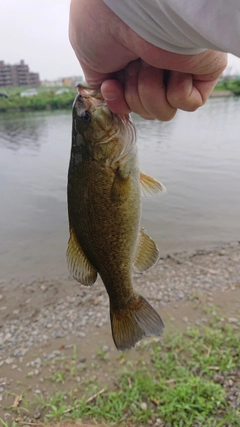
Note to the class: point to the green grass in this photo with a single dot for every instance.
(45, 99)
(6, 424)
(176, 385)
(173, 379)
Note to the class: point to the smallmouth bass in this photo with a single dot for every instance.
(104, 209)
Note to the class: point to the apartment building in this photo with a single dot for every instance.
(17, 75)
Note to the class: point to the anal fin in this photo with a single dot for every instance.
(147, 253)
(78, 264)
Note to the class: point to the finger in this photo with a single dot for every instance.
(131, 90)
(113, 93)
(205, 88)
(121, 95)
(152, 93)
(187, 94)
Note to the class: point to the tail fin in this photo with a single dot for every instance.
(136, 321)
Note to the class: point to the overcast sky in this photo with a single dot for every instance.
(37, 31)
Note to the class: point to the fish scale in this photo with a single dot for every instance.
(104, 207)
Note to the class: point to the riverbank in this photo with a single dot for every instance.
(44, 99)
(221, 94)
(40, 321)
(57, 99)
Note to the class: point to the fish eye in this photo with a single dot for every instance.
(86, 116)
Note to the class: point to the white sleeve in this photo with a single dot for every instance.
(183, 26)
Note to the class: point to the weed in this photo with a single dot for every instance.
(172, 379)
(75, 353)
(5, 423)
(57, 377)
(101, 354)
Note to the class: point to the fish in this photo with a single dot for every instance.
(104, 211)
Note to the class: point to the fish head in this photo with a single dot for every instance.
(100, 131)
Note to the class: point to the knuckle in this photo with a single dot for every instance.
(166, 116)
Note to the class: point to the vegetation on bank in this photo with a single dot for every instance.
(229, 84)
(48, 99)
(182, 380)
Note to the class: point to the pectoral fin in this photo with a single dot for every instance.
(151, 185)
(147, 253)
(78, 264)
(120, 188)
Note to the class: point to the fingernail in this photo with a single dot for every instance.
(110, 96)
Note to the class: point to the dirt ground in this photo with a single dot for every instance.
(31, 372)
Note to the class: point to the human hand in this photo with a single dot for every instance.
(132, 72)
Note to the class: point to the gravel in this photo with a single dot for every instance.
(58, 308)
(38, 312)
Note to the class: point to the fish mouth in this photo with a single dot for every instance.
(89, 92)
(89, 97)
(116, 125)
(92, 96)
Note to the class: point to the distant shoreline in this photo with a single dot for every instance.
(48, 100)
(221, 94)
(44, 99)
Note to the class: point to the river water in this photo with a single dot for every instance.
(196, 156)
